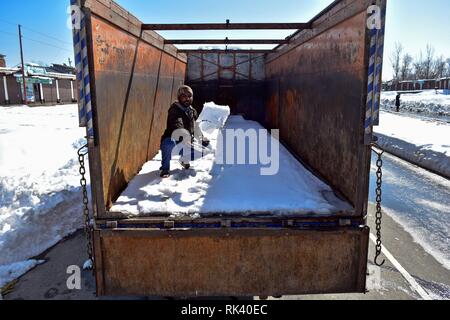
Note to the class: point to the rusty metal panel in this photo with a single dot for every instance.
(321, 91)
(225, 66)
(210, 66)
(257, 67)
(242, 66)
(195, 69)
(230, 262)
(163, 100)
(126, 71)
(178, 79)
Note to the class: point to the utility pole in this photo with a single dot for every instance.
(23, 67)
(70, 62)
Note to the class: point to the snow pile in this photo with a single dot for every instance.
(213, 118)
(423, 142)
(15, 270)
(40, 197)
(210, 187)
(427, 102)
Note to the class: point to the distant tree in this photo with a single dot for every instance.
(424, 65)
(395, 60)
(418, 66)
(405, 69)
(429, 63)
(440, 65)
(447, 68)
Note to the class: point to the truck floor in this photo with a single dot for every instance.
(214, 186)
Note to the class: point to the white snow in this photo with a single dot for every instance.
(13, 271)
(40, 197)
(423, 142)
(430, 102)
(211, 188)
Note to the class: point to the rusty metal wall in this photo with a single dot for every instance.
(235, 79)
(243, 97)
(225, 66)
(230, 262)
(133, 80)
(317, 87)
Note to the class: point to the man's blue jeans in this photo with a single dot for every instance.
(167, 146)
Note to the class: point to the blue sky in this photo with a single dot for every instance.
(414, 23)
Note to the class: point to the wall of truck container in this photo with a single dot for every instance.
(134, 79)
(235, 79)
(317, 87)
(316, 95)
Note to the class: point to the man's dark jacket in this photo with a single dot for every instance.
(180, 117)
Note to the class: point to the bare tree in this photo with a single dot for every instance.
(440, 65)
(418, 66)
(447, 68)
(395, 60)
(429, 63)
(405, 69)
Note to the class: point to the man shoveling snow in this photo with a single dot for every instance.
(183, 135)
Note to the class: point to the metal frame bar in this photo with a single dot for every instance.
(224, 51)
(227, 26)
(226, 41)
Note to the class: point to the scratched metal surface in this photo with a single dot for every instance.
(224, 262)
(316, 99)
(134, 88)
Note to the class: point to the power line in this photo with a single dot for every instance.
(8, 33)
(47, 44)
(48, 36)
(38, 32)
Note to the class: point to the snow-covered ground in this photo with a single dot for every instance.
(228, 188)
(40, 196)
(428, 102)
(420, 141)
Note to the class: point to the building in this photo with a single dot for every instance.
(414, 85)
(44, 85)
(2, 61)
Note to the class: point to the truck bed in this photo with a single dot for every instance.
(211, 189)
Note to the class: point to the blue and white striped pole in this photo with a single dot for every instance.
(379, 68)
(86, 80)
(76, 16)
(82, 69)
(370, 87)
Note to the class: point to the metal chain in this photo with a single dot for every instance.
(378, 214)
(82, 152)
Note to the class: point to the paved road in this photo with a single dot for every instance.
(410, 273)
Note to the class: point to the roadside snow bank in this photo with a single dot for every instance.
(423, 142)
(13, 271)
(427, 102)
(40, 196)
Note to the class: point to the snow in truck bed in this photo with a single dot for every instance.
(211, 188)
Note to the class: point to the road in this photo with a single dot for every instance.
(415, 224)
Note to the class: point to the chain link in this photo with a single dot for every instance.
(82, 152)
(378, 193)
